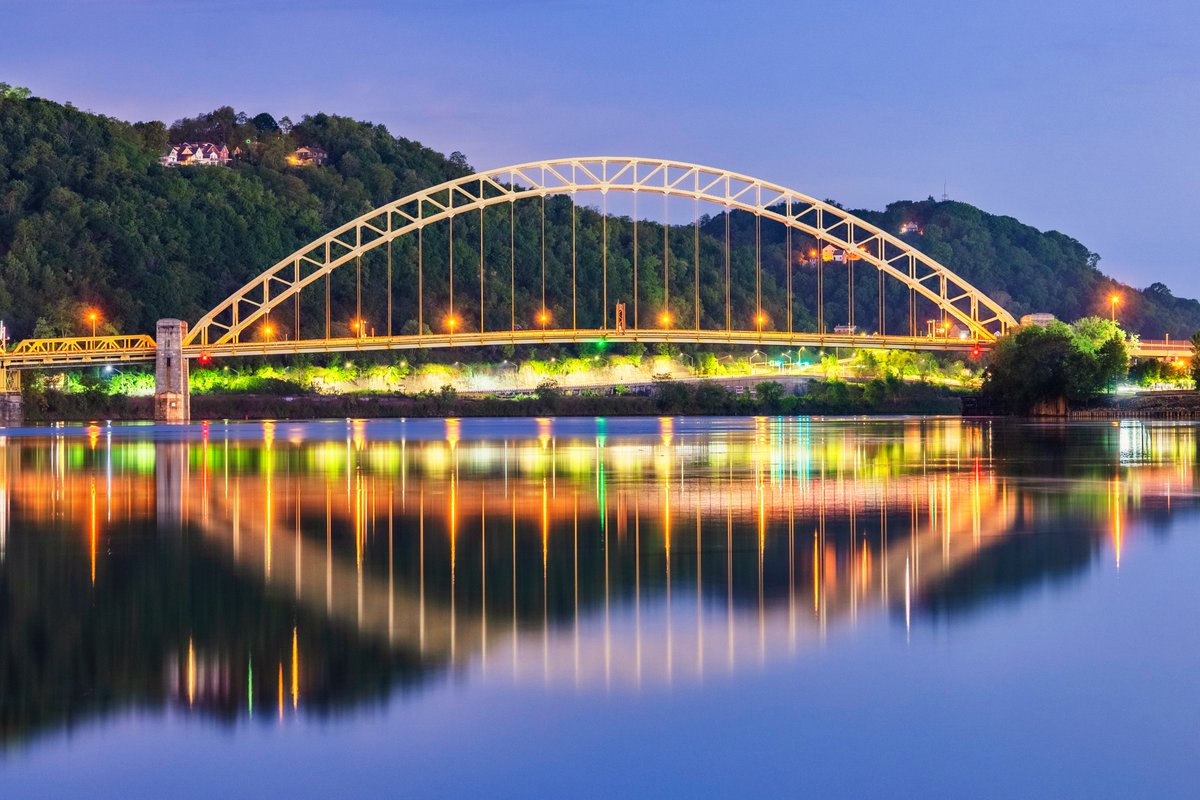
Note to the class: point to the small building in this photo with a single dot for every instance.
(831, 253)
(308, 156)
(911, 227)
(1041, 318)
(187, 154)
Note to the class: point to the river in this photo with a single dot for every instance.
(600, 607)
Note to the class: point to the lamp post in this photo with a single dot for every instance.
(759, 319)
(1113, 300)
(665, 319)
(543, 318)
(93, 317)
(451, 322)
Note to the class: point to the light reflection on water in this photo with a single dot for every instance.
(284, 570)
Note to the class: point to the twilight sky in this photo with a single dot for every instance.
(1069, 114)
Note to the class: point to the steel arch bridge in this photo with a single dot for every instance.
(242, 323)
(831, 227)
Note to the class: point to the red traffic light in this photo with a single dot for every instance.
(205, 359)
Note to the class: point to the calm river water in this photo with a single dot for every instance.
(600, 608)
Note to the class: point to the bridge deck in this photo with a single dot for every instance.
(85, 351)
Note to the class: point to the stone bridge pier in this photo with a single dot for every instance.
(172, 395)
(12, 409)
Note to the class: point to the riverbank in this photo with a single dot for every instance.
(665, 398)
(1148, 405)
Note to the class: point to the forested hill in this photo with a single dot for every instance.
(1027, 270)
(88, 216)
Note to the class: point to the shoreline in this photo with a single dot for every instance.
(833, 398)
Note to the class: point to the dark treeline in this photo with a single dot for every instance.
(88, 217)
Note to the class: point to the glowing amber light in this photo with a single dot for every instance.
(267, 331)
(451, 322)
(665, 319)
(543, 317)
(93, 317)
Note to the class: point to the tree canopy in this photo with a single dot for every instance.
(1038, 366)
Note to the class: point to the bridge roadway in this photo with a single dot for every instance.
(96, 351)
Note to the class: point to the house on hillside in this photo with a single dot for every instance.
(308, 157)
(187, 154)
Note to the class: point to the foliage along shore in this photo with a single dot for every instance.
(822, 397)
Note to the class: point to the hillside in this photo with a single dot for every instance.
(88, 216)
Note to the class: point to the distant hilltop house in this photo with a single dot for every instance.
(911, 227)
(308, 157)
(188, 154)
(1043, 319)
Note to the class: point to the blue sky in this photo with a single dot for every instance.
(1073, 115)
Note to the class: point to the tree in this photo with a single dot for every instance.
(9, 92)
(1054, 365)
(769, 395)
(265, 123)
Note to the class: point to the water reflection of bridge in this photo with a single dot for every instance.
(590, 559)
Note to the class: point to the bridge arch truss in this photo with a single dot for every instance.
(979, 315)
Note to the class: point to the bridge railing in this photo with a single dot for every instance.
(83, 344)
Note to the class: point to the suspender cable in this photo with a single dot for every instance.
(604, 249)
(882, 305)
(481, 259)
(696, 255)
(358, 281)
(788, 234)
(666, 254)
(389, 279)
(512, 256)
(636, 318)
(728, 319)
(912, 297)
(820, 280)
(451, 239)
(574, 321)
(296, 302)
(327, 312)
(850, 289)
(421, 277)
(758, 265)
(542, 314)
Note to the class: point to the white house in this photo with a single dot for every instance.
(188, 154)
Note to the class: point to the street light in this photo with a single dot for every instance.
(665, 319)
(1113, 300)
(543, 318)
(93, 317)
(268, 330)
(759, 319)
(451, 323)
